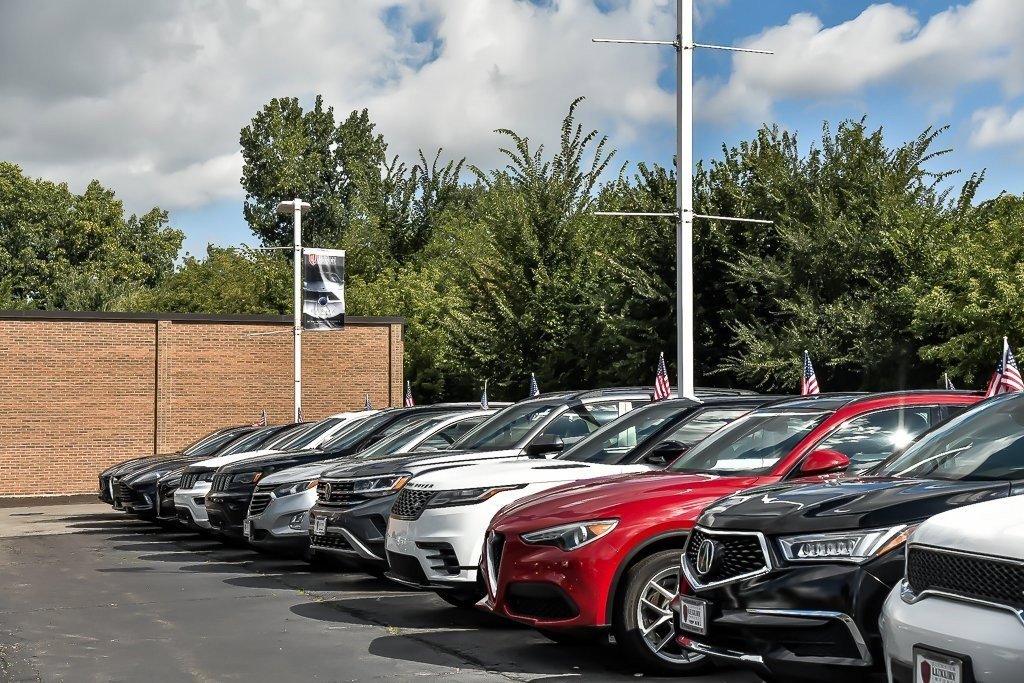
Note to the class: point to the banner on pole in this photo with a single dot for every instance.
(323, 289)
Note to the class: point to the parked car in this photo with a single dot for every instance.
(354, 500)
(789, 580)
(436, 530)
(956, 615)
(604, 556)
(190, 496)
(278, 515)
(166, 485)
(204, 446)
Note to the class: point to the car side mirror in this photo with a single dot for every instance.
(544, 444)
(824, 461)
(665, 452)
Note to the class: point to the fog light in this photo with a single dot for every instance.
(297, 521)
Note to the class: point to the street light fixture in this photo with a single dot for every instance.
(296, 207)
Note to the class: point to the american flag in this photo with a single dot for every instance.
(483, 399)
(409, 403)
(262, 422)
(809, 382)
(1007, 376)
(662, 388)
(949, 383)
(534, 389)
(366, 404)
(300, 414)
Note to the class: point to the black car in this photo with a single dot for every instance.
(204, 446)
(789, 580)
(166, 485)
(354, 499)
(227, 503)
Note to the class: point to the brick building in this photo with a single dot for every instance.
(81, 391)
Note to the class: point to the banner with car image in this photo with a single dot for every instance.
(323, 289)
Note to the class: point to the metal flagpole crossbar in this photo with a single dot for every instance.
(683, 214)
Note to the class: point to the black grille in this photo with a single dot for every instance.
(968, 575)
(443, 558)
(495, 547)
(124, 493)
(333, 542)
(259, 503)
(189, 479)
(406, 568)
(539, 601)
(338, 493)
(738, 555)
(220, 482)
(410, 503)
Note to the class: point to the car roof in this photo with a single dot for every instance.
(633, 392)
(835, 401)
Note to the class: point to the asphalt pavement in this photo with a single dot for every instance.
(89, 594)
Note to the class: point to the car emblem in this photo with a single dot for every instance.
(707, 557)
(327, 490)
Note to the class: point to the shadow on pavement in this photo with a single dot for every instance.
(412, 611)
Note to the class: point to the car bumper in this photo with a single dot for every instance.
(797, 619)
(105, 492)
(992, 638)
(226, 510)
(190, 505)
(166, 510)
(284, 523)
(355, 534)
(139, 500)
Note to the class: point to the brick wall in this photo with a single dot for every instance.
(82, 391)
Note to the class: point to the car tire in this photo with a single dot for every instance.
(650, 586)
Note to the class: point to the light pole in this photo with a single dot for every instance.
(296, 207)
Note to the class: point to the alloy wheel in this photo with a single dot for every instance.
(656, 620)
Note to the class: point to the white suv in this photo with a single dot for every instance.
(958, 615)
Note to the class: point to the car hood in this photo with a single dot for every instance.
(417, 463)
(277, 461)
(133, 466)
(992, 528)
(297, 473)
(840, 504)
(221, 460)
(631, 498)
(520, 472)
(157, 469)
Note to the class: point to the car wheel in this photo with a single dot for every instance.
(644, 622)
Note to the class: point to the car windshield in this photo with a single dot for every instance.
(751, 445)
(396, 443)
(613, 441)
(251, 441)
(212, 442)
(351, 435)
(985, 443)
(298, 439)
(508, 428)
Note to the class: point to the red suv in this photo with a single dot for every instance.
(603, 555)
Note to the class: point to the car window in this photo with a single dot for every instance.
(869, 439)
(751, 445)
(615, 439)
(509, 427)
(214, 442)
(295, 440)
(579, 421)
(250, 441)
(348, 436)
(705, 422)
(449, 435)
(986, 443)
(397, 442)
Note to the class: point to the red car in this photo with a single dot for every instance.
(603, 555)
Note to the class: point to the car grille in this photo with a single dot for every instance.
(260, 500)
(410, 503)
(188, 480)
(220, 482)
(740, 555)
(443, 557)
(338, 493)
(124, 493)
(970, 576)
(332, 542)
(495, 547)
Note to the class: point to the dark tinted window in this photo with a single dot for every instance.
(213, 442)
(869, 439)
(351, 435)
(612, 442)
(509, 427)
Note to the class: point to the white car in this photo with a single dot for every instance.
(197, 478)
(958, 615)
(435, 533)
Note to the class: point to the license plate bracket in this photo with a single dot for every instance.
(247, 528)
(320, 526)
(932, 665)
(693, 615)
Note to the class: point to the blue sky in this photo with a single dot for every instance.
(161, 127)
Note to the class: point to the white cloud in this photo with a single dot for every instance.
(886, 44)
(995, 126)
(149, 97)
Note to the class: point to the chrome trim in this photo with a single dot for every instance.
(490, 571)
(851, 625)
(358, 547)
(696, 583)
(724, 653)
(910, 597)
(964, 553)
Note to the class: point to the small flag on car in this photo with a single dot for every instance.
(409, 403)
(809, 382)
(534, 389)
(1007, 376)
(662, 387)
(366, 404)
(262, 422)
(949, 384)
(483, 398)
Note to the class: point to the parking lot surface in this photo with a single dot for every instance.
(93, 595)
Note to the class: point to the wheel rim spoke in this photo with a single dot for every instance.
(655, 619)
(656, 624)
(660, 610)
(661, 589)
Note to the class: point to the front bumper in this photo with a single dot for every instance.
(355, 534)
(190, 505)
(139, 500)
(991, 637)
(284, 523)
(106, 493)
(226, 510)
(166, 509)
(800, 619)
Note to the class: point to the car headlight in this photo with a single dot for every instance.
(205, 476)
(246, 478)
(296, 487)
(571, 536)
(844, 546)
(380, 486)
(467, 496)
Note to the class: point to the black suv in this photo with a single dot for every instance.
(789, 579)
